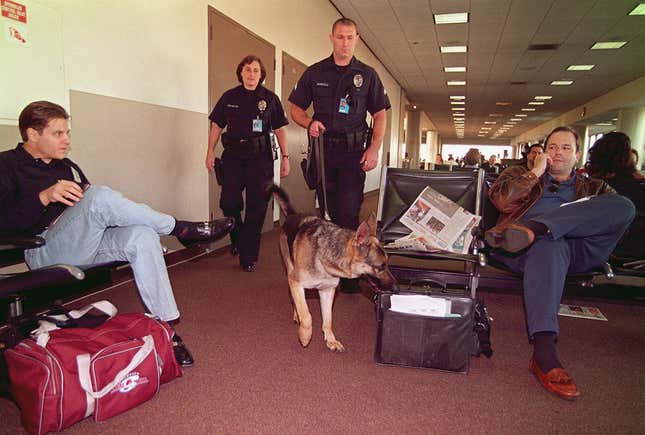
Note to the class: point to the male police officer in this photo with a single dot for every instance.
(342, 90)
(248, 112)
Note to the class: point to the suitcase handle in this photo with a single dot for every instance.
(83, 363)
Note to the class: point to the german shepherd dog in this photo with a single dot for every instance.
(317, 253)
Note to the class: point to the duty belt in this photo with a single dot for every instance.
(354, 141)
(257, 144)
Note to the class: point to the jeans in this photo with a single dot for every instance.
(105, 226)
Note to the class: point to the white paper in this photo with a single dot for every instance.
(420, 305)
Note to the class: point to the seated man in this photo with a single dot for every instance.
(554, 239)
(43, 193)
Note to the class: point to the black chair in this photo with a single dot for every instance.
(399, 189)
(443, 167)
(16, 287)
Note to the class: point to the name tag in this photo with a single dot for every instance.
(343, 107)
(257, 125)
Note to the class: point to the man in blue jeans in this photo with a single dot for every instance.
(44, 193)
(559, 223)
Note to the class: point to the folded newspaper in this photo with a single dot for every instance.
(437, 224)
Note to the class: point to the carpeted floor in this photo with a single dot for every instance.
(252, 376)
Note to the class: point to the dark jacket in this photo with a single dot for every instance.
(517, 189)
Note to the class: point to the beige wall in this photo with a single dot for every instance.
(9, 137)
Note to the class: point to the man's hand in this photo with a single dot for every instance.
(284, 167)
(316, 128)
(210, 160)
(540, 163)
(66, 192)
(369, 159)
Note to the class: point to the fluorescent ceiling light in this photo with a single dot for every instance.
(542, 97)
(609, 45)
(580, 67)
(604, 123)
(457, 97)
(536, 103)
(503, 103)
(515, 119)
(454, 69)
(458, 108)
(481, 135)
(490, 122)
(454, 48)
(456, 82)
(486, 128)
(638, 10)
(456, 103)
(521, 115)
(460, 17)
(495, 115)
(561, 83)
(528, 109)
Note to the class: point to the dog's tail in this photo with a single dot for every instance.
(282, 197)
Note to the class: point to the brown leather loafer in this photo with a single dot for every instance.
(556, 381)
(512, 238)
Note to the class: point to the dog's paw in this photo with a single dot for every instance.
(304, 335)
(335, 346)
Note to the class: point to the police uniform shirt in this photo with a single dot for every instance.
(326, 84)
(239, 107)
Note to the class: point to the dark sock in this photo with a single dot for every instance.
(545, 351)
(538, 228)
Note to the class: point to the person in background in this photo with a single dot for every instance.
(249, 112)
(472, 158)
(438, 160)
(533, 151)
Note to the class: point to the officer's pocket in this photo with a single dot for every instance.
(323, 100)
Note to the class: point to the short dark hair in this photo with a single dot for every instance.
(567, 129)
(344, 22)
(539, 145)
(611, 155)
(472, 157)
(37, 114)
(247, 61)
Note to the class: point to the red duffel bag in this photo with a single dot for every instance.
(62, 376)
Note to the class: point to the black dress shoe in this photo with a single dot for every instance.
(249, 267)
(182, 354)
(193, 233)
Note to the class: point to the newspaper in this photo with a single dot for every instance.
(437, 224)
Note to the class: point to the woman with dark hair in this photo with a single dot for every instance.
(612, 157)
(249, 112)
(472, 158)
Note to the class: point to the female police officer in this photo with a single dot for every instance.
(249, 112)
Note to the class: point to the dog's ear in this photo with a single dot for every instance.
(362, 233)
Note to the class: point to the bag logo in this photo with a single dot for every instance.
(358, 80)
(132, 381)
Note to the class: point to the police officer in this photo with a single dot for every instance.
(248, 112)
(343, 90)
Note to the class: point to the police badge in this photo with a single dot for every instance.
(358, 80)
(262, 105)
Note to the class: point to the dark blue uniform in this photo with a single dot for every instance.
(342, 96)
(247, 159)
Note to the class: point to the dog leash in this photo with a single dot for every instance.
(319, 147)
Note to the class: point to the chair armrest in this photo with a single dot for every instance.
(35, 279)
(17, 240)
